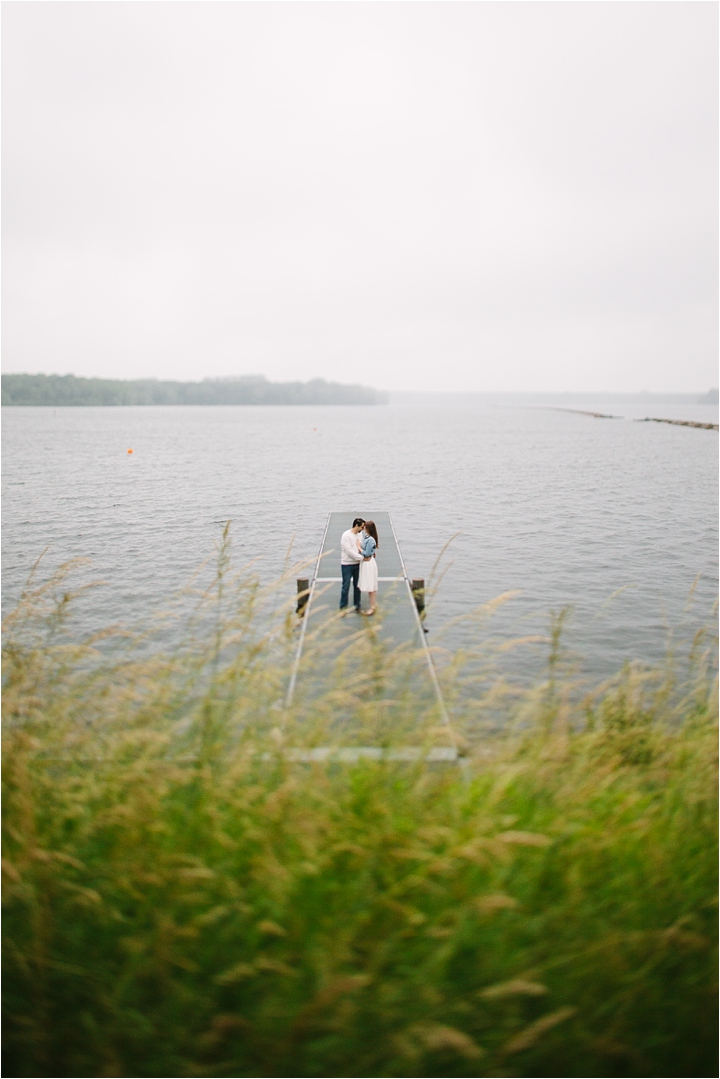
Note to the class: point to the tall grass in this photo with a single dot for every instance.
(183, 899)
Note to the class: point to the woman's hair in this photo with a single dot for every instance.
(372, 531)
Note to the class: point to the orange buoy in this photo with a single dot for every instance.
(129, 451)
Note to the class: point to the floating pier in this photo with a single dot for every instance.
(386, 656)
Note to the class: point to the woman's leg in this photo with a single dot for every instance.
(372, 596)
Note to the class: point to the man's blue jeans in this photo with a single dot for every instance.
(350, 573)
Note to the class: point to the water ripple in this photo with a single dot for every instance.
(567, 509)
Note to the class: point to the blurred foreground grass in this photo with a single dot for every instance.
(181, 899)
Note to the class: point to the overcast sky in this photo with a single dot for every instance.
(432, 196)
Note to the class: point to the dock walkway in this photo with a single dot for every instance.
(383, 661)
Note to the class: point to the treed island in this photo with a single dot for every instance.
(68, 390)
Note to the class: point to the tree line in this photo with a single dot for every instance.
(59, 390)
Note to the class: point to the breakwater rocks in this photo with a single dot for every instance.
(646, 419)
(680, 423)
(585, 412)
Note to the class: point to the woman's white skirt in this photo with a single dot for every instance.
(368, 576)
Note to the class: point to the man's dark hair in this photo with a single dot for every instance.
(358, 521)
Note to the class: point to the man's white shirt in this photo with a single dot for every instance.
(349, 553)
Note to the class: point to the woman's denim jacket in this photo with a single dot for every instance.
(368, 547)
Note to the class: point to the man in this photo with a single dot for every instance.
(350, 559)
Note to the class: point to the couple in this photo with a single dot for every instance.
(357, 564)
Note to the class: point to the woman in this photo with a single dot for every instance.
(368, 545)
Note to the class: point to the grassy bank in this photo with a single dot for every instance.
(183, 900)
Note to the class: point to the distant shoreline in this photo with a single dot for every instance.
(552, 398)
(54, 391)
(59, 391)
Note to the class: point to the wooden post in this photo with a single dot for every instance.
(418, 591)
(303, 589)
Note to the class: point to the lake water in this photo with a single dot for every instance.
(613, 517)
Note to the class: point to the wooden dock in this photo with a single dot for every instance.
(380, 665)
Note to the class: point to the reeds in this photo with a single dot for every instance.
(182, 898)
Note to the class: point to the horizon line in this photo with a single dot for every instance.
(319, 378)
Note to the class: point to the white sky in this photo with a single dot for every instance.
(432, 196)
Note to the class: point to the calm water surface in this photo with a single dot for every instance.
(612, 517)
